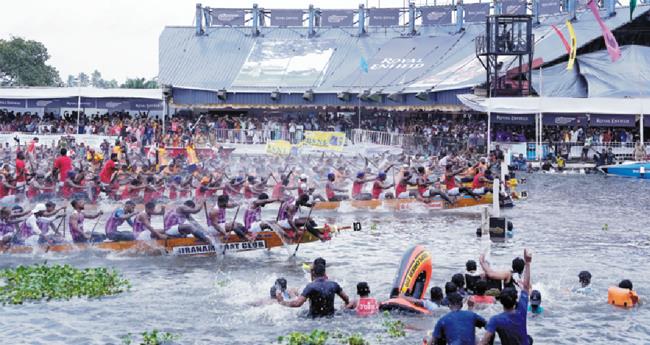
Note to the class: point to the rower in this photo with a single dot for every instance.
(8, 226)
(21, 173)
(380, 186)
(480, 180)
(289, 210)
(330, 189)
(401, 190)
(436, 191)
(357, 187)
(117, 218)
(449, 179)
(179, 222)
(76, 222)
(34, 229)
(45, 222)
(217, 215)
(108, 176)
(253, 222)
(142, 228)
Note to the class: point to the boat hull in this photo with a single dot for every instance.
(628, 169)
(402, 204)
(188, 246)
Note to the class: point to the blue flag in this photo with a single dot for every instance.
(363, 64)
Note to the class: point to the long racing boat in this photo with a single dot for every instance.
(404, 204)
(187, 246)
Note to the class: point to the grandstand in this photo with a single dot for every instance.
(417, 58)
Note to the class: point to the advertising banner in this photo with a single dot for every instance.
(227, 17)
(513, 119)
(286, 17)
(383, 16)
(549, 7)
(13, 103)
(333, 141)
(436, 15)
(476, 12)
(600, 120)
(564, 120)
(337, 18)
(513, 7)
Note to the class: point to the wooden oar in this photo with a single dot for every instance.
(303, 232)
(92, 232)
(232, 226)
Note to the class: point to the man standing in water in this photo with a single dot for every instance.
(511, 324)
(321, 293)
(457, 326)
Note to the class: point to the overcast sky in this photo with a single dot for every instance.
(120, 37)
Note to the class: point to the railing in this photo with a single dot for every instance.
(575, 150)
(411, 143)
(363, 136)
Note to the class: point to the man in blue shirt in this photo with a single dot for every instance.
(457, 326)
(321, 293)
(511, 324)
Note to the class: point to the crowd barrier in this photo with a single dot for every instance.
(90, 140)
(574, 150)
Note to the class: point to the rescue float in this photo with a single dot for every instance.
(187, 246)
(412, 279)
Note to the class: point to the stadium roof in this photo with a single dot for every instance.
(67, 92)
(284, 58)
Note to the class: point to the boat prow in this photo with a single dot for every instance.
(628, 169)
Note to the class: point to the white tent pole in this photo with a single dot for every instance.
(536, 137)
(489, 130)
(78, 110)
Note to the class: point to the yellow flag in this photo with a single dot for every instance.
(574, 45)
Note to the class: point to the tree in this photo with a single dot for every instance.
(96, 79)
(139, 83)
(72, 81)
(23, 63)
(83, 79)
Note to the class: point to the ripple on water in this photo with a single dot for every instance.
(218, 300)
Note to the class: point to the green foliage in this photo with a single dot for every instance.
(38, 282)
(316, 337)
(23, 63)
(350, 339)
(320, 337)
(152, 338)
(394, 328)
(140, 83)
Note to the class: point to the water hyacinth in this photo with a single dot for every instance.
(42, 282)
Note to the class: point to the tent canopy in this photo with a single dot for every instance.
(557, 105)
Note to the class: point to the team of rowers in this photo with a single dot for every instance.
(150, 178)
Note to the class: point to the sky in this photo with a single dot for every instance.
(120, 37)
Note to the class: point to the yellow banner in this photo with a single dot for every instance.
(280, 147)
(574, 46)
(327, 140)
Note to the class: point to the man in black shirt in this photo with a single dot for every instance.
(321, 293)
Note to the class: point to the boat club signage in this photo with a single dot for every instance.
(202, 249)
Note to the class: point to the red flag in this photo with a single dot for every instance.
(564, 41)
(610, 41)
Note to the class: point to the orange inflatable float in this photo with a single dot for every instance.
(619, 297)
(412, 280)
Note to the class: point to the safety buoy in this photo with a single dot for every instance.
(619, 297)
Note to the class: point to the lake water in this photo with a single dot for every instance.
(570, 223)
